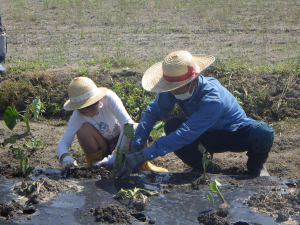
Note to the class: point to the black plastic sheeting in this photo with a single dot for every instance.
(179, 206)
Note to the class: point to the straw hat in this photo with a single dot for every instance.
(82, 93)
(177, 69)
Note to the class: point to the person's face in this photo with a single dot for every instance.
(184, 88)
(90, 111)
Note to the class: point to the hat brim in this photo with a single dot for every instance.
(100, 93)
(153, 78)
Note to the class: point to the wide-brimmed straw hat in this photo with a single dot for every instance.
(82, 93)
(177, 69)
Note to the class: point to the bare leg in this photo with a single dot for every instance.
(91, 140)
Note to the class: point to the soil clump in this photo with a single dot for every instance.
(112, 214)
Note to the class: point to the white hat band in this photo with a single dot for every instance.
(84, 96)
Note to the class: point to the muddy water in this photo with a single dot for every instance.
(180, 205)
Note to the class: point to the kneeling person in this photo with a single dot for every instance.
(213, 117)
(98, 120)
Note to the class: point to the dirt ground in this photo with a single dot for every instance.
(283, 161)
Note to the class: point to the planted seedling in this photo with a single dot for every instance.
(206, 159)
(122, 153)
(23, 155)
(11, 115)
(224, 207)
(138, 196)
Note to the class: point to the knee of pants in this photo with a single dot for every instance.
(261, 138)
(173, 123)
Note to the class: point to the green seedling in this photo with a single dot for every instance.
(205, 159)
(215, 187)
(36, 143)
(223, 208)
(137, 195)
(122, 153)
(130, 193)
(23, 155)
(11, 115)
(157, 130)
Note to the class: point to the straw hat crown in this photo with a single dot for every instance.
(175, 64)
(82, 93)
(177, 69)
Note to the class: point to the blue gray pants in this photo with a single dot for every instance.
(257, 139)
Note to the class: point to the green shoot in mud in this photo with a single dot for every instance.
(23, 155)
(122, 153)
(138, 196)
(215, 187)
(205, 159)
(129, 193)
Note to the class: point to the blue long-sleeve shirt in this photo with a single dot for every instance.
(211, 108)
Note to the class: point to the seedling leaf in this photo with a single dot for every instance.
(213, 186)
(201, 148)
(218, 184)
(36, 107)
(128, 130)
(210, 197)
(159, 125)
(12, 139)
(10, 117)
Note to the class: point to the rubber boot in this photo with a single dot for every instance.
(148, 166)
(2, 53)
(93, 157)
(255, 164)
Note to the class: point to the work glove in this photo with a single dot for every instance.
(107, 161)
(132, 163)
(135, 148)
(66, 164)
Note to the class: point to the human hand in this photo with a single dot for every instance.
(107, 161)
(66, 164)
(135, 148)
(132, 163)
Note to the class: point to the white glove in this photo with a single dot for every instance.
(107, 161)
(67, 162)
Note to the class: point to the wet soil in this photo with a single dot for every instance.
(112, 214)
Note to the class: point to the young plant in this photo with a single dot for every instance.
(11, 115)
(224, 207)
(24, 155)
(157, 130)
(122, 153)
(205, 159)
(137, 195)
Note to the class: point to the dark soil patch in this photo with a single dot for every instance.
(212, 218)
(112, 214)
(9, 210)
(83, 173)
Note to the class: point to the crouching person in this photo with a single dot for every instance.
(213, 117)
(98, 120)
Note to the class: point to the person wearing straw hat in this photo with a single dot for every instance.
(214, 118)
(97, 120)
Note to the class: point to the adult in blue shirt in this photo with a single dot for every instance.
(213, 117)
